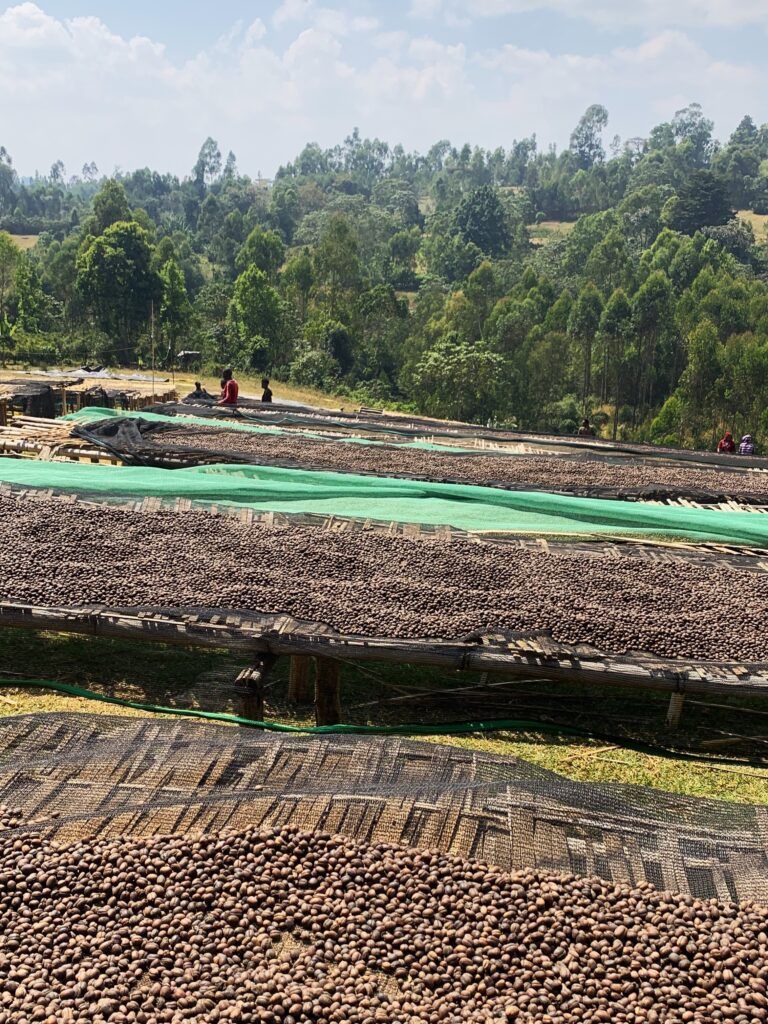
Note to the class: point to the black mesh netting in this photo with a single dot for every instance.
(75, 776)
(584, 473)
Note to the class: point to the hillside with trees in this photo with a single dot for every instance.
(411, 279)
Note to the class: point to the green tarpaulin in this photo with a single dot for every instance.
(405, 501)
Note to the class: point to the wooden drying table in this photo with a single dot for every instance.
(267, 637)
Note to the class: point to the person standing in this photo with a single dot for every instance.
(747, 446)
(267, 395)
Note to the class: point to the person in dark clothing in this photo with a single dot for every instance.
(586, 429)
(267, 396)
(199, 392)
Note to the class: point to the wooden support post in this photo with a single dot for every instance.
(253, 679)
(327, 691)
(674, 710)
(299, 683)
(3, 412)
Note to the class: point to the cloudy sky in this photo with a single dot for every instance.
(143, 83)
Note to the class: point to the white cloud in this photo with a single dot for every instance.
(292, 10)
(646, 14)
(256, 31)
(91, 94)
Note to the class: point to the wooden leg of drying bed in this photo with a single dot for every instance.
(327, 692)
(253, 679)
(674, 710)
(299, 682)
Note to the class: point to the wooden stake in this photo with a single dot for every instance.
(253, 678)
(299, 684)
(327, 691)
(674, 710)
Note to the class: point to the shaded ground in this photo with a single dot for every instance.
(386, 694)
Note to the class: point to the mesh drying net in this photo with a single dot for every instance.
(78, 776)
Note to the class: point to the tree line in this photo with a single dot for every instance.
(413, 279)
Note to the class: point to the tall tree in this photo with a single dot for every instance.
(480, 219)
(583, 324)
(262, 249)
(116, 280)
(614, 334)
(337, 263)
(208, 164)
(9, 257)
(587, 137)
(255, 318)
(701, 201)
(110, 205)
(175, 310)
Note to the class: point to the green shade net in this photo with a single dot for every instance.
(93, 413)
(460, 506)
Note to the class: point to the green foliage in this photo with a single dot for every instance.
(264, 250)
(9, 257)
(449, 257)
(117, 282)
(586, 139)
(315, 368)
(256, 321)
(460, 381)
(175, 309)
(110, 205)
(701, 201)
(480, 219)
(410, 279)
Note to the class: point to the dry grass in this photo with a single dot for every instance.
(25, 242)
(759, 222)
(550, 231)
(250, 385)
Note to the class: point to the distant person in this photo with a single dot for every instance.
(747, 446)
(586, 429)
(229, 389)
(199, 392)
(726, 445)
(267, 395)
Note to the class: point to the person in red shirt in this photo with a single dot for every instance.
(229, 389)
(726, 445)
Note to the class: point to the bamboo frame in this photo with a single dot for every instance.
(515, 655)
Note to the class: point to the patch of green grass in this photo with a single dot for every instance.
(397, 695)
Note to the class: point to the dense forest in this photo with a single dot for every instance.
(421, 280)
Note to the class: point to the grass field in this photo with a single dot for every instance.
(175, 677)
(250, 384)
(759, 222)
(550, 231)
(25, 242)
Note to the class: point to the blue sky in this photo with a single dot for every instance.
(143, 83)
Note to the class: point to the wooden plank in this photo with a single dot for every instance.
(327, 691)
(299, 682)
